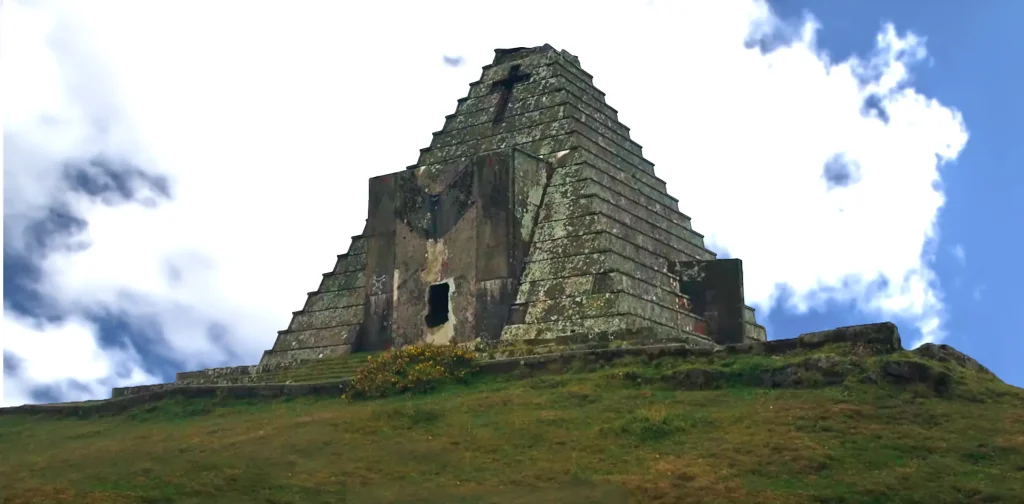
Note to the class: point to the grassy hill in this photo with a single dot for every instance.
(841, 423)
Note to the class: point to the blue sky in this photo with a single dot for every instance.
(174, 186)
(972, 51)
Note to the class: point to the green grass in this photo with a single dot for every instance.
(590, 434)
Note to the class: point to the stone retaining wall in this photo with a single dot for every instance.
(883, 337)
(169, 390)
(236, 372)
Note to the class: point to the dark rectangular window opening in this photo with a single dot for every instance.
(437, 304)
(696, 296)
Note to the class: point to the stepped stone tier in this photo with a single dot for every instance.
(531, 218)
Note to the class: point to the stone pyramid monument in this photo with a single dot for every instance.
(532, 217)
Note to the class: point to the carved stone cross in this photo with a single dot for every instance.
(504, 86)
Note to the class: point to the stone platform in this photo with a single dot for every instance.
(882, 338)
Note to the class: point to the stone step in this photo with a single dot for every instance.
(601, 241)
(335, 299)
(589, 205)
(602, 126)
(600, 283)
(358, 245)
(584, 264)
(524, 104)
(306, 375)
(562, 195)
(548, 81)
(314, 338)
(612, 271)
(350, 262)
(604, 305)
(625, 185)
(549, 330)
(600, 149)
(599, 222)
(524, 119)
(572, 63)
(324, 369)
(601, 132)
(329, 317)
(646, 182)
(615, 152)
(500, 141)
(283, 357)
(543, 148)
(532, 95)
(342, 281)
(527, 104)
(540, 68)
(584, 137)
(622, 327)
(528, 114)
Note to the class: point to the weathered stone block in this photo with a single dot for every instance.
(946, 353)
(335, 299)
(754, 332)
(311, 338)
(350, 262)
(565, 194)
(272, 358)
(587, 264)
(331, 317)
(598, 222)
(690, 242)
(342, 281)
(625, 184)
(884, 335)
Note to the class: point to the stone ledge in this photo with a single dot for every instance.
(546, 82)
(631, 188)
(232, 372)
(884, 337)
(243, 375)
(570, 193)
(600, 222)
(160, 392)
(690, 242)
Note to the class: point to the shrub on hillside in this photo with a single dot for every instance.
(411, 369)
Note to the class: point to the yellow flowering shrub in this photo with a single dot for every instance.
(411, 369)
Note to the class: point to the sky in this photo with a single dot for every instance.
(177, 175)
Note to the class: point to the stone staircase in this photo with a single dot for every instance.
(328, 322)
(320, 370)
(306, 371)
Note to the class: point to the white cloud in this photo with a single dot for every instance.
(66, 358)
(268, 121)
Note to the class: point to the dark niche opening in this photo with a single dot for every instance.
(437, 304)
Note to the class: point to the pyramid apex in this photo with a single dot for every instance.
(518, 53)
